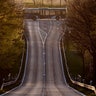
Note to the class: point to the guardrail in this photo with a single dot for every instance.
(20, 69)
(14, 81)
(24, 71)
(64, 77)
(92, 88)
(84, 85)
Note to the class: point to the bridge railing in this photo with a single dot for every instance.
(31, 13)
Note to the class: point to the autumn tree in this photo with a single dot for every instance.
(11, 42)
(81, 22)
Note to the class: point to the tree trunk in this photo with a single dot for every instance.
(34, 2)
(60, 3)
(1, 76)
(1, 82)
(51, 3)
(94, 68)
(42, 3)
(83, 59)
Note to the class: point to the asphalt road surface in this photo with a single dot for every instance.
(44, 73)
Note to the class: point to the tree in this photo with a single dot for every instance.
(51, 1)
(60, 3)
(34, 2)
(42, 2)
(11, 43)
(81, 21)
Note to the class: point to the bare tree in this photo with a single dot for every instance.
(60, 3)
(51, 1)
(82, 22)
(42, 2)
(34, 1)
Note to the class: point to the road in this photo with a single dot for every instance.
(44, 73)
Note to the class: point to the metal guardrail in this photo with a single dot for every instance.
(24, 71)
(90, 87)
(84, 85)
(12, 82)
(60, 38)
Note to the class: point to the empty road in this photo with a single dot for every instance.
(44, 73)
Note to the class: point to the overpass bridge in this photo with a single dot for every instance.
(35, 13)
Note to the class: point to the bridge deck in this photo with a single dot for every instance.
(44, 12)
